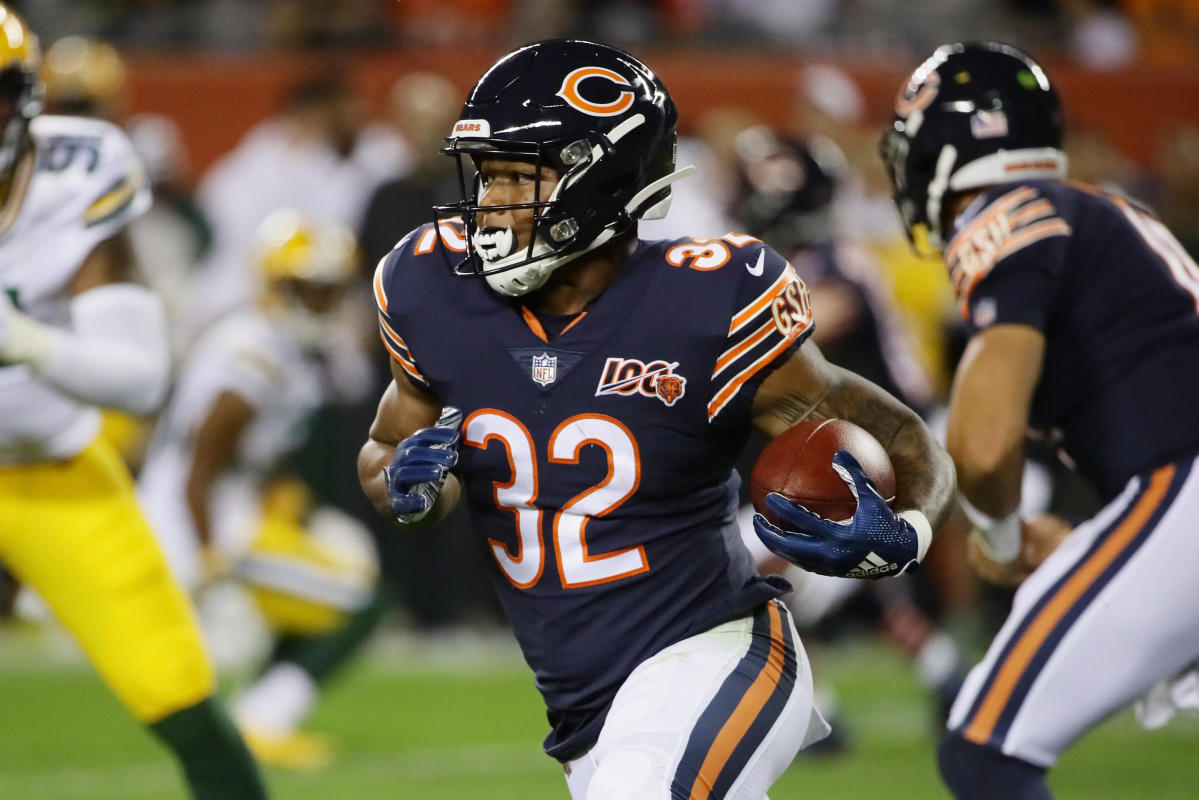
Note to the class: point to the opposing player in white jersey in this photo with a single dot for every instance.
(75, 335)
(215, 490)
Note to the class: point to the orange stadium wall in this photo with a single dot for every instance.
(216, 99)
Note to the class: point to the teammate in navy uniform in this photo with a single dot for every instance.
(591, 392)
(1083, 311)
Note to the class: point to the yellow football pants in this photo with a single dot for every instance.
(302, 584)
(72, 531)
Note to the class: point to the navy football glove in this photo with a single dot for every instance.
(420, 466)
(874, 543)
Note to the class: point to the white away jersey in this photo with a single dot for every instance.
(245, 354)
(87, 184)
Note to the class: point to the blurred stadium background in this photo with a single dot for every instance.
(440, 705)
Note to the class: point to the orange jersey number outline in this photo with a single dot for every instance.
(576, 565)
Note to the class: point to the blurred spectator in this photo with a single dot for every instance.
(85, 77)
(874, 24)
(621, 22)
(319, 156)
(433, 22)
(779, 21)
(174, 235)
(324, 23)
(699, 204)
(829, 114)
(423, 107)
(1101, 37)
(1168, 29)
(1177, 165)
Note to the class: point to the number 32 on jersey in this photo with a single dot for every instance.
(576, 566)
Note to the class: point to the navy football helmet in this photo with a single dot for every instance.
(973, 114)
(595, 114)
(785, 188)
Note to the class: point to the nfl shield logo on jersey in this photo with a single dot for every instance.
(545, 369)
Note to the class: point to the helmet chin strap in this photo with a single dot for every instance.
(936, 194)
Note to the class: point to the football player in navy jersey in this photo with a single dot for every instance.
(1083, 311)
(591, 393)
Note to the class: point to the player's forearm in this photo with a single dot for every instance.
(924, 472)
(115, 354)
(372, 458)
(990, 469)
(198, 493)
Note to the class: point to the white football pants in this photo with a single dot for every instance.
(1109, 614)
(717, 716)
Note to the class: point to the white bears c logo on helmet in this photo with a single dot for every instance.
(570, 92)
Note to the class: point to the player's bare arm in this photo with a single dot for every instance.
(220, 432)
(810, 387)
(988, 414)
(402, 411)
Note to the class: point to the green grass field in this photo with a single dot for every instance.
(464, 723)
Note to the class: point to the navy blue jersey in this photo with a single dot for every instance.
(1116, 297)
(598, 464)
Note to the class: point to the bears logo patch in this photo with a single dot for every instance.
(629, 376)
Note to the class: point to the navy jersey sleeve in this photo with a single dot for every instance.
(771, 316)
(388, 283)
(1006, 261)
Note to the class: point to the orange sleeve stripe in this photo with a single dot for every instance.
(746, 712)
(998, 208)
(399, 359)
(396, 339)
(1033, 233)
(380, 294)
(983, 725)
(737, 381)
(1031, 213)
(748, 343)
(1015, 198)
(762, 301)
(1018, 241)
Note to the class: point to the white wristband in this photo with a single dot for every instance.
(1001, 536)
(924, 530)
(27, 341)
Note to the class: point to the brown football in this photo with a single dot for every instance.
(798, 464)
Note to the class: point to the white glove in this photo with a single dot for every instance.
(23, 340)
